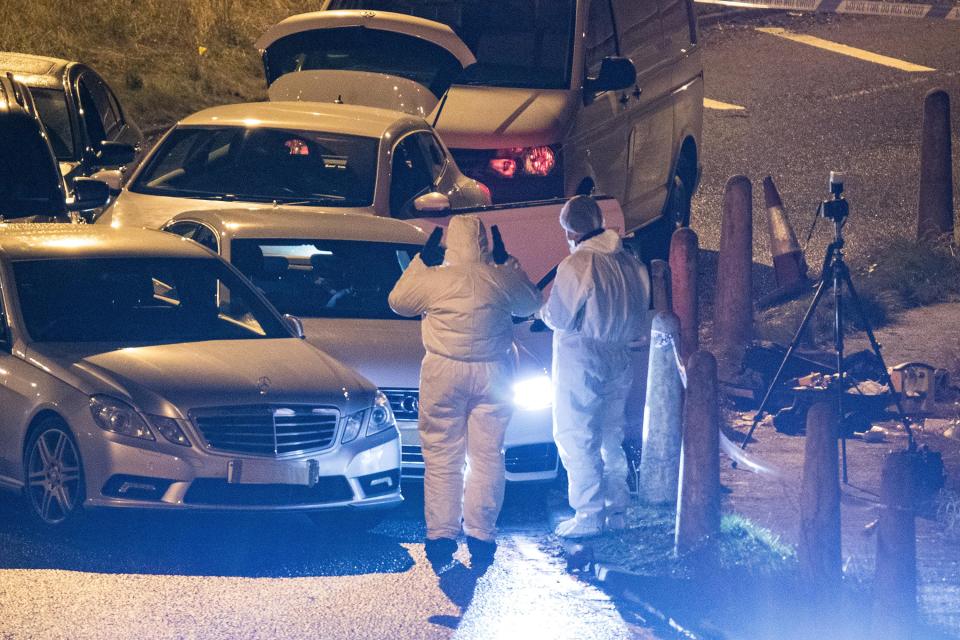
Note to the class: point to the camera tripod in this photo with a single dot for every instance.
(834, 275)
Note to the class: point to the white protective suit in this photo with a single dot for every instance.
(467, 375)
(598, 305)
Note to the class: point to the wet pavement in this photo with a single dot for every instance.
(149, 575)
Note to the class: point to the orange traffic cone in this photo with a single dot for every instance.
(789, 264)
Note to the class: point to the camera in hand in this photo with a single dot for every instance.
(837, 208)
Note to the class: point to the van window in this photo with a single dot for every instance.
(29, 177)
(601, 39)
(517, 43)
(641, 38)
(102, 123)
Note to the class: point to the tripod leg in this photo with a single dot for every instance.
(885, 375)
(821, 289)
(838, 272)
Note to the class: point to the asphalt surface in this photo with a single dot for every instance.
(806, 111)
(149, 575)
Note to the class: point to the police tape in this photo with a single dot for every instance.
(856, 7)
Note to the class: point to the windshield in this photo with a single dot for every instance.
(137, 301)
(52, 106)
(517, 43)
(259, 164)
(325, 278)
(30, 182)
(359, 49)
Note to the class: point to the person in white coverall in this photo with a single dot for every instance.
(466, 380)
(598, 305)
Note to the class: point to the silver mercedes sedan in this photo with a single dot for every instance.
(137, 369)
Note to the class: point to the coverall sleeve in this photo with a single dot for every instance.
(410, 296)
(571, 290)
(523, 297)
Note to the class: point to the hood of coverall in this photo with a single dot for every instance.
(466, 241)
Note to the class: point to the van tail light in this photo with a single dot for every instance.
(539, 161)
(504, 167)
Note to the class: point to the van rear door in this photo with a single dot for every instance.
(371, 58)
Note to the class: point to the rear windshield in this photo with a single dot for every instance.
(324, 278)
(358, 49)
(259, 164)
(30, 182)
(137, 301)
(52, 105)
(517, 43)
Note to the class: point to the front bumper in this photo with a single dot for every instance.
(364, 474)
(529, 450)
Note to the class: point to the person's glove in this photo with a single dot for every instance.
(499, 253)
(432, 252)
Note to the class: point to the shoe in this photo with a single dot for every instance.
(581, 526)
(616, 521)
(440, 551)
(481, 552)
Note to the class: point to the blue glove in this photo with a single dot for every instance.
(432, 252)
(499, 253)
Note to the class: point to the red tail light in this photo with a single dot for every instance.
(539, 161)
(506, 167)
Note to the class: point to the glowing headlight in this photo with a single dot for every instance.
(533, 393)
(117, 416)
(381, 416)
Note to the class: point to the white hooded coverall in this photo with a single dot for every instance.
(466, 377)
(598, 305)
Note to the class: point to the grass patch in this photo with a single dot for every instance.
(164, 58)
(902, 274)
(646, 546)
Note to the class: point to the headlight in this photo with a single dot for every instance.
(533, 393)
(381, 416)
(117, 416)
(169, 429)
(352, 425)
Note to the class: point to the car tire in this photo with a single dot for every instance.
(54, 489)
(655, 240)
(348, 520)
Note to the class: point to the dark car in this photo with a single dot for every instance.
(31, 185)
(89, 131)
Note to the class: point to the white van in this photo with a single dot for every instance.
(537, 99)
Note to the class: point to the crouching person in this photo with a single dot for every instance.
(465, 380)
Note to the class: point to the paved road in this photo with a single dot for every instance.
(134, 575)
(809, 110)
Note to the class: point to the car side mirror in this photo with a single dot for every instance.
(89, 194)
(615, 74)
(114, 154)
(294, 324)
(432, 204)
(113, 178)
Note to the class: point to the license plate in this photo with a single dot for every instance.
(301, 472)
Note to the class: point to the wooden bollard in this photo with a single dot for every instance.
(698, 505)
(660, 285)
(733, 310)
(662, 415)
(819, 549)
(684, 253)
(935, 208)
(895, 582)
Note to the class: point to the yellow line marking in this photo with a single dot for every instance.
(853, 52)
(722, 106)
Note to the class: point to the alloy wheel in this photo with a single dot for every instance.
(54, 479)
